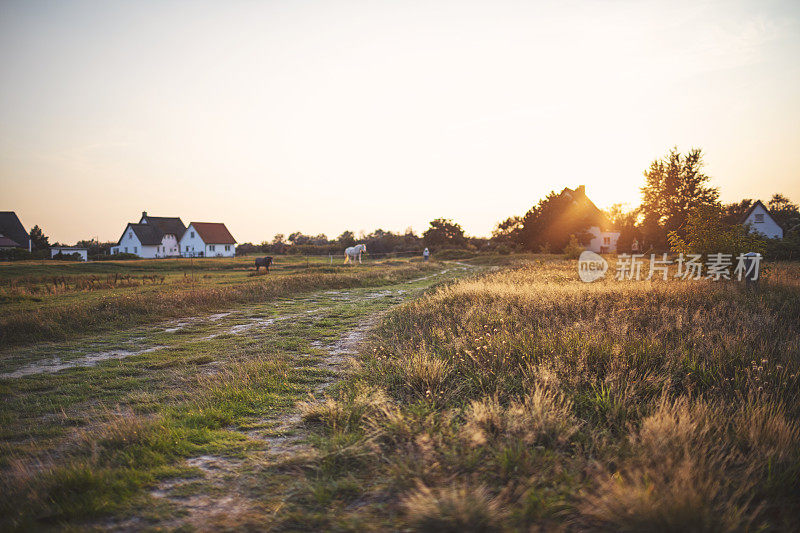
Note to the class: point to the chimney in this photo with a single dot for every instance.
(144, 214)
(581, 190)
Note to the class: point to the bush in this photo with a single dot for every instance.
(707, 233)
(454, 253)
(787, 248)
(573, 249)
(503, 250)
(116, 257)
(21, 254)
(60, 256)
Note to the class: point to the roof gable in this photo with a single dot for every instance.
(167, 225)
(584, 209)
(213, 232)
(12, 228)
(148, 234)
(756, 204)
(5, 242)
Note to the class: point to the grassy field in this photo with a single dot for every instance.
(104, 429)
(506, 395)
(55, 300)
(527, 399)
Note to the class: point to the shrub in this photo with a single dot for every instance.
(116, 257)
(453, 509)
(454, 254)
(707, 233)
(573, 249)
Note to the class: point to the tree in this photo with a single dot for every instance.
(444, 232)
(39, 240)
(707, 233)
(558, 216)
(674, 187)
(509, 231)
(346, 239)
(733, 213)
(624, 220)
(785, 212)
(298, 238)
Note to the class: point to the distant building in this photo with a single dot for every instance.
(760, 221)
(207, 239)
(603, 238)
(69, 250)
(152, 237)
(12, 232)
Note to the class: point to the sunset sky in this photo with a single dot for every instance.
(318, 117)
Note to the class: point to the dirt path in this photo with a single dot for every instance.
(217, 494)
(220, 500)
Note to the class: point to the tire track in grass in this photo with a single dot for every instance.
(222, 501)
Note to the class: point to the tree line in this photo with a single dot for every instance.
(676, 197)
(441, 234)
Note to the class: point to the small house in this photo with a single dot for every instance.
(207, 239)
(603, 238)
(761, 221)
(56, 252)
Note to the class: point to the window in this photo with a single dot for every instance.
(130, 235)
(135, 250)
(606, 240)
(211, 247)
(126, 249)
(187, 247)
(760, 218)
(227, 247)
(192, 234)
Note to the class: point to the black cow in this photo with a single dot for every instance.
(263, 262)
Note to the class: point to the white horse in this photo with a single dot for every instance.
(351, 253)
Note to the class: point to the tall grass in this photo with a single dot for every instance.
(526, 399)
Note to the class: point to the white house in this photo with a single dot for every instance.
(760, 221)
(144, 240)
(207, 239)
(69, 250)
(152, 237)
(603, 242)
(172, 228)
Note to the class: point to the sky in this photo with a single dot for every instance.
(320, 117)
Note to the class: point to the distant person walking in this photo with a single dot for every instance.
(635, 246)
(426, 254)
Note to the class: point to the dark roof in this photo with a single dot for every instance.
(5, 242)
(584, 208)
(148, 234)
(168, 225)
(213, 232)
(12, 228)
(753, 207)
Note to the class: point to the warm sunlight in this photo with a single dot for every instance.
(327, 116)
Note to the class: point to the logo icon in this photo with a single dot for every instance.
(591, 267)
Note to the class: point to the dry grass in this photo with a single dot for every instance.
(128, 301)
(665, 406)
(453, 510)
